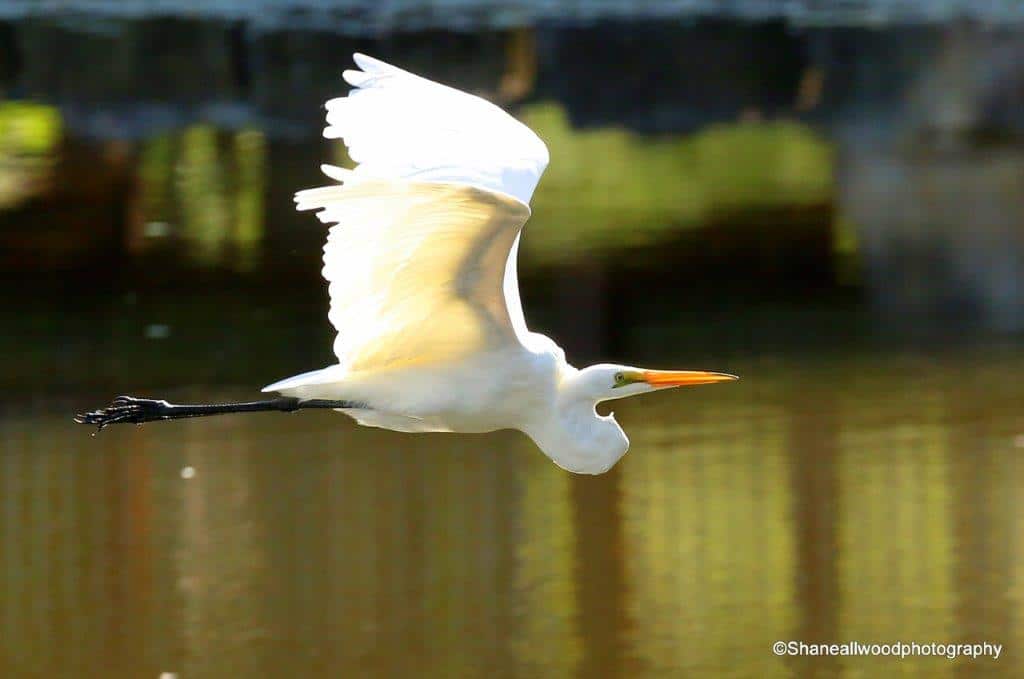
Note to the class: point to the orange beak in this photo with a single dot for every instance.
(684, 378)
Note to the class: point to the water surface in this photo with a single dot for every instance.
(867, 496)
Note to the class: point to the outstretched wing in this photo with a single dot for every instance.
(422, 260)
(397, 125)
(416, 270)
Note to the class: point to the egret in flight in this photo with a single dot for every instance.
(421, 265)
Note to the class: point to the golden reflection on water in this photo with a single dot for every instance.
(708, 534)
(868, 499)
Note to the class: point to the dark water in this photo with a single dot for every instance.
(831, 213)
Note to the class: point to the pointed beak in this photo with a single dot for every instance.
(684, 378)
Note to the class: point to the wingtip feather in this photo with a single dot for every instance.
(356, 78)
(370, 64)
(340, 174)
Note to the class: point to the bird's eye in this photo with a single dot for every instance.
(619, 378)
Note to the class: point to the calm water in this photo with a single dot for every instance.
(866, 496)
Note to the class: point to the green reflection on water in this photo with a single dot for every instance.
(868, 497)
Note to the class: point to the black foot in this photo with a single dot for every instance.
(125, 409)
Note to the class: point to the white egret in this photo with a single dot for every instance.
(421, 265)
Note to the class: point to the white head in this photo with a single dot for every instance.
(580, 440)
(607, 381)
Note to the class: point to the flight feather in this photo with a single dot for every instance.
(400, 125)
(420, 258)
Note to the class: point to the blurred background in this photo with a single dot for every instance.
(824, 197)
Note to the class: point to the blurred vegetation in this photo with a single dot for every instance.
(250, 162)
(639, 188)
(201, 190)
(29, 135)
(28, 128)
(205, 187)
(201, 186)
(155, 175)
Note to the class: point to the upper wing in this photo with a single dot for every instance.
(399, 125)
(416, 269)
(422, 264)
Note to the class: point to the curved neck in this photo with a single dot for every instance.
(573, 435)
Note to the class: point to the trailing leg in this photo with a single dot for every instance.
(128, 409)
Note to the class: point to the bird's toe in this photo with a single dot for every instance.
(121, 409)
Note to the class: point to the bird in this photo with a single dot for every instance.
(421, 265)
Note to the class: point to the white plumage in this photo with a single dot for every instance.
(421, 265)
(400, 126)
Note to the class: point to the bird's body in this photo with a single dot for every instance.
(421, 266)
(479, 393)
(529, 387)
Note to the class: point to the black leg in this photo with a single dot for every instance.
(139, 410)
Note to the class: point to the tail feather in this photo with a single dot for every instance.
(313, 377)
